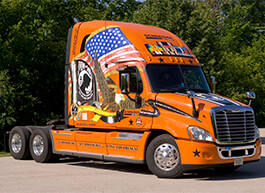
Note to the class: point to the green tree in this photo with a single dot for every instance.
(245, 71)
(242, 51)
(6, 103)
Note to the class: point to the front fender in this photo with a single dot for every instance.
(177, 124)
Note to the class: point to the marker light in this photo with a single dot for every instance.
(197, 133)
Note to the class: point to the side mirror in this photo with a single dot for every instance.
(125, 83)
(250, 95)
(212, 84)
(190, 94)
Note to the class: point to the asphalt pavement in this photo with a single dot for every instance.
(73, 175)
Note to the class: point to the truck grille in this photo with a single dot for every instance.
(234, 127)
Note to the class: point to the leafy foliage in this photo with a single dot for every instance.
(245, 71)
(243, 53)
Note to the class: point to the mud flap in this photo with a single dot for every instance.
(6, 137)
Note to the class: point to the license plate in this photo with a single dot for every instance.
(238, 161)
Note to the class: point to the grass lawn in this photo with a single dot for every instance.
(4, 154)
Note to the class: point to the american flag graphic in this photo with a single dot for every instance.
(111, 48)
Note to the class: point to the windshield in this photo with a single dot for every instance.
(177, 78)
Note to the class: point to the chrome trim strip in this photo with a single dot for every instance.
(125, 159)
(63, 133)
(78, 154)
(230, 149)
(129, 136)
(115, 158)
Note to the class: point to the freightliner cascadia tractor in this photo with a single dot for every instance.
(137, 94)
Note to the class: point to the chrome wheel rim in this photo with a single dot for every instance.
(166, 157)
(38, 145)
(16, 143)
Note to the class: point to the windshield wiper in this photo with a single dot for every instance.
(184, 79)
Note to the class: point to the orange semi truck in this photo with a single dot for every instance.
(137, 94)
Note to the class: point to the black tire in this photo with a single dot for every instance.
(19, 143)
(226, 169)
(40, 145)
(155, 148)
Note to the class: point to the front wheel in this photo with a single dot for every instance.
(40, 145)
(163, 157)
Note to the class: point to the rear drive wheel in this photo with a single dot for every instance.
(163, 157)
(40, 145)
(19, 143)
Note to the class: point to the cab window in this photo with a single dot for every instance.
(131, 81)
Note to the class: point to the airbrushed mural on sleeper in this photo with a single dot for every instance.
(89, 85)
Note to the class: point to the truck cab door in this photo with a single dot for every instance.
(131, 86)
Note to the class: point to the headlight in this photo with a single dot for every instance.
(257, 133)
(197, 133)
